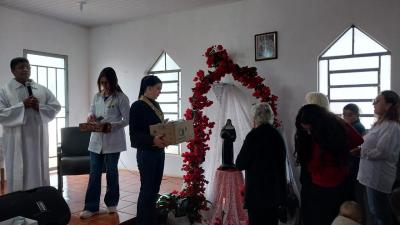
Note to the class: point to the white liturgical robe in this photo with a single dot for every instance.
(25, 135)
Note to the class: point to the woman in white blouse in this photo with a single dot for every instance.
(379, 156)
(110, 106)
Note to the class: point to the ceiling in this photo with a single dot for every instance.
(102, 12)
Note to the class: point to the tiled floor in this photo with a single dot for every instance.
(75, 189)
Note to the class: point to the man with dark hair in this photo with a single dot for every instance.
(25, 110)
(15, 61)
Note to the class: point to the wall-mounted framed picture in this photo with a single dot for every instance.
(266, 46)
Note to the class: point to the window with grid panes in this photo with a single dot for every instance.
(50, 70)
(354, 69)
(169, 99)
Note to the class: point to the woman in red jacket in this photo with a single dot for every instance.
(322, 145)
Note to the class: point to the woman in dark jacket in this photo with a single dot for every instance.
(150, 154)
(263, 157)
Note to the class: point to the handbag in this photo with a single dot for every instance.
(45, 204)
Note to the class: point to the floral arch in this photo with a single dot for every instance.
(217, 58)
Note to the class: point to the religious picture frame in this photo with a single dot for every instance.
(266, 46)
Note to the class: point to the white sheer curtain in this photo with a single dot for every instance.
(292, 175)
(232, 103)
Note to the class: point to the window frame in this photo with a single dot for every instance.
(178, 92)
(330, 72)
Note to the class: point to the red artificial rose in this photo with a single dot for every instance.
(200, 74)
(189, 114)
(217, 58)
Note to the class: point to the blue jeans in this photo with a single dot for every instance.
(379, 207)
(92, 199)
(151, 168)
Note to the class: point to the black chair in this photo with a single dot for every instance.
(73, 155)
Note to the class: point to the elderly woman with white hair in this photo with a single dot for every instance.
(263, 157)
(317, 98)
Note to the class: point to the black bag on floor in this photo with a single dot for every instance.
(43, 204)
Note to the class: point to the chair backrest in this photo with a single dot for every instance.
(74, 142)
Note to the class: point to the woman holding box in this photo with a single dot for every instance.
(111, 107)
(150, 154)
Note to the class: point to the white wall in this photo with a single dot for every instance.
(20, 30)
(305, 28)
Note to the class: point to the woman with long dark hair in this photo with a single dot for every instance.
(322, 145)
(380, 155)
(110, 106)
(150, 154)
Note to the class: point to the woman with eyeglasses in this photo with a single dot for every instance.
(380, 155)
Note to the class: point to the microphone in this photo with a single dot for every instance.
(29, 87)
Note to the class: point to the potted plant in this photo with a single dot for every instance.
(171, 205)
(173, 209)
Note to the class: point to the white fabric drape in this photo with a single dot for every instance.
(232, 103)
(292, 174)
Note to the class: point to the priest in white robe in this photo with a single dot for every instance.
(25, 110)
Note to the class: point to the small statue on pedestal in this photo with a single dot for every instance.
(228, 133)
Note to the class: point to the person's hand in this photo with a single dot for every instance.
(35, 103)
(159, 141)
(31, 102)
(91, 118)
(107, 128)
(355, 151)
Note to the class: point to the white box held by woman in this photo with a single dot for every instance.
(174, 132)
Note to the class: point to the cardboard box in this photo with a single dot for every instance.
(175, 131)
(95, 127)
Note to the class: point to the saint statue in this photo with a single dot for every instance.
(228, 133)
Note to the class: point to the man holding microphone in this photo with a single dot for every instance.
(25, 110)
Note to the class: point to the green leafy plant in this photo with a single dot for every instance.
(178, 205)
(172, 202)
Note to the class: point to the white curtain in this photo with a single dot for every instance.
(232, 103)
(292, 174)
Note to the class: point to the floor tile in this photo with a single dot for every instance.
(74, 191)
